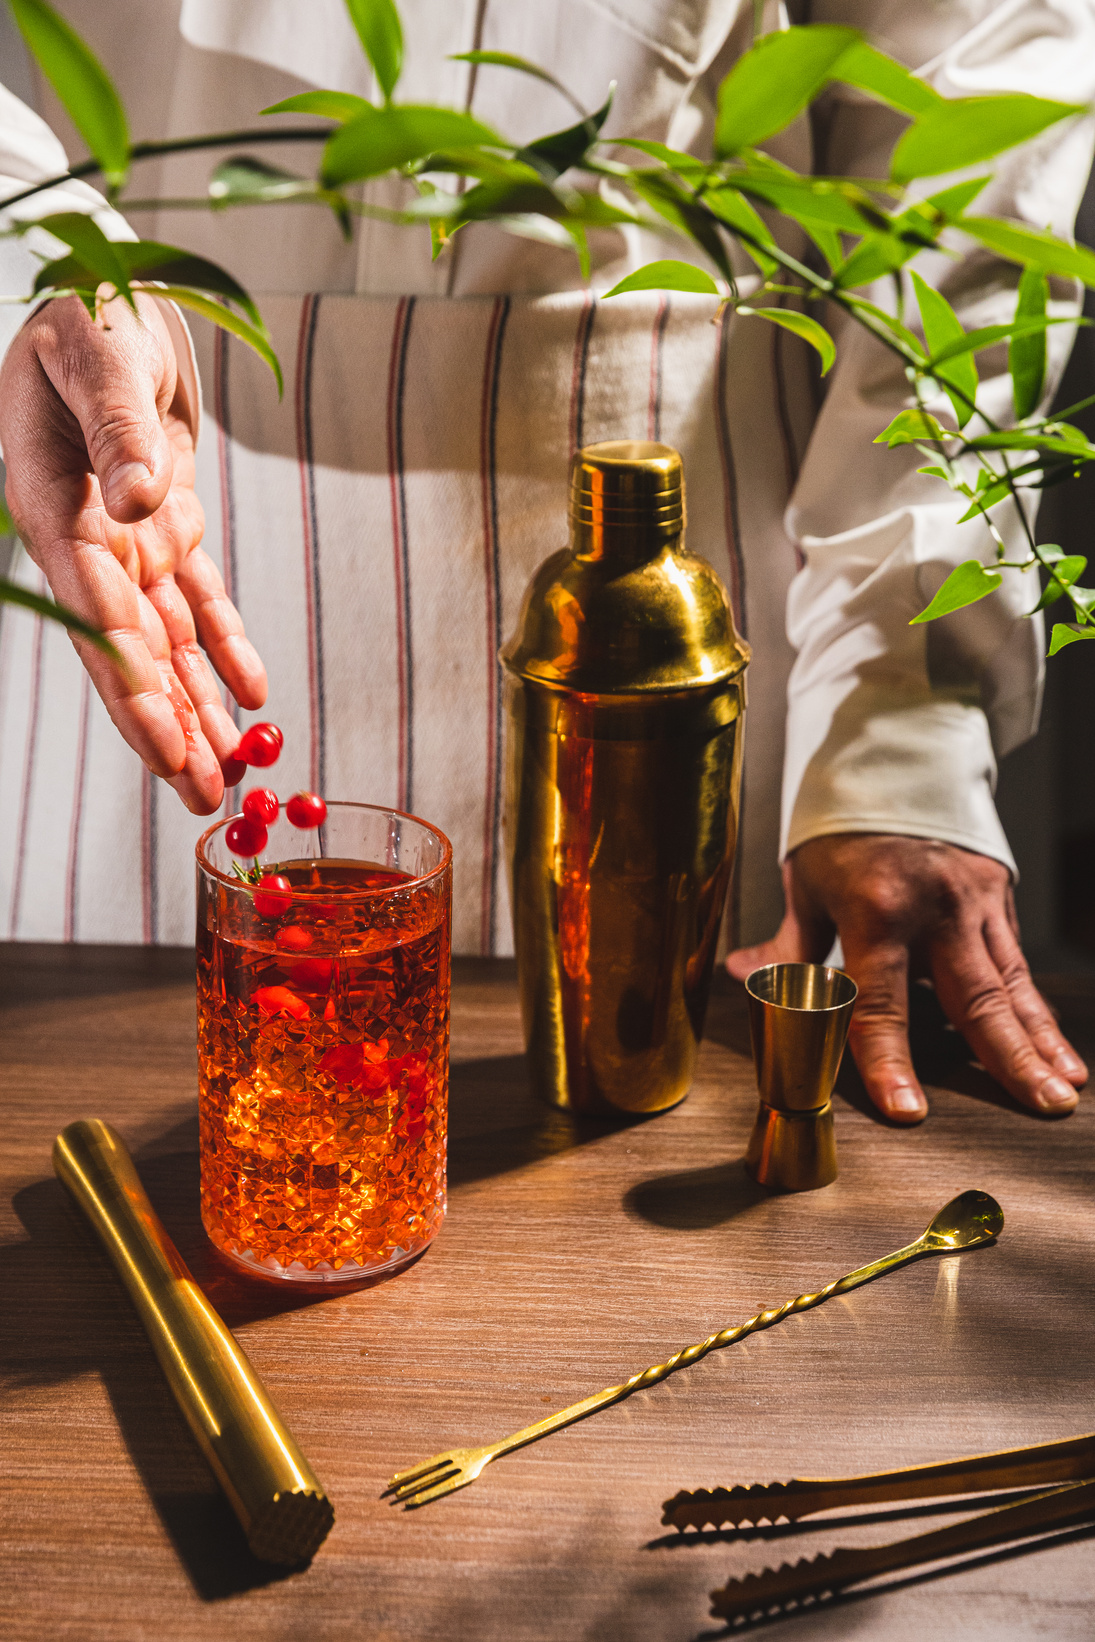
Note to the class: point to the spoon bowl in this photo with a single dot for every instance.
(968, 1219)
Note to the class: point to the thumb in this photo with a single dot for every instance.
(113, 377)
(788, 945)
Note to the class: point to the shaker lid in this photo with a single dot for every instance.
(626, 609)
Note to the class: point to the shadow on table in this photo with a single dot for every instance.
(42, 972)
(497, 1126)
(67, 1316)
(695, 1199)
(889, 1587)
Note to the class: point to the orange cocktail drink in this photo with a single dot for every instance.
(323, 1044)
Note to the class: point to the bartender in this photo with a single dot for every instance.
(375, 529)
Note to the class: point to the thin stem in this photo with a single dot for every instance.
(178, 145)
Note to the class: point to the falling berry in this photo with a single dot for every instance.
(306, 809)
(261, 745)
(245, 837)
(233, 770)
(273, 896)
(261, 805)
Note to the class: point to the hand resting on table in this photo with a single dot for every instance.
(911, 907)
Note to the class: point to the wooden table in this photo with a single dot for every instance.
(573, 1255)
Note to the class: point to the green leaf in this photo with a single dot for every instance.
(965, 585)
(686, 165)
(1063, 635)
(241, 180)
(1033, 246)
(505, 59)
(97, 255)
(551, 156)
(802, 325)
(667, 276)
(1067, 570)
(13, 593)
(827, 200)
(942, 327)
(735, 210)
(228, 321)
(875, 256)
(974, 341)
(332, 105)
(951, 202)
(871, 70)
(993, 493)
(772, 83)
(7, 523)
(910, 426)
(933, 472)
(81, 82)
(380, 32)
(679, 206)
(1027, 352)
(382, 139)
(1073, 444)
(966, 130)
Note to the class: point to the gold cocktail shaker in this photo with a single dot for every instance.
(625, 695)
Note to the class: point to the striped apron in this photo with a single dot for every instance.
(377, 529)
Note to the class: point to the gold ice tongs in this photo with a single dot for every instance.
(809, 1581)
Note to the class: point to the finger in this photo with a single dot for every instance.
(1030, 1007)
(191, 668)
(788, 945)
(879, 1035)
(972, 992)
(220, 629)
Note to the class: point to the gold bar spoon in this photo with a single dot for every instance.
(968, 1220)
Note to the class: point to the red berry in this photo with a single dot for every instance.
(233, 770)
(306, 809)
(273, 895)
(245, 837)
(260, 805)
(260, 745)
(292, 939)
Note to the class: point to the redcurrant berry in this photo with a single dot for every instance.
(261, 805)
(245, 837)
(260, 745)
(273, 895)
(306, 809)
(233, 770)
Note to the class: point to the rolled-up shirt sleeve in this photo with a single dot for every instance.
(893, 728)
(30, 153)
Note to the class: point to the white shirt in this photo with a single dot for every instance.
(378, 527)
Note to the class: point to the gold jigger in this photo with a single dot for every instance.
(799, 1016)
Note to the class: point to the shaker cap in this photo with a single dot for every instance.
(625, 609)
(625, 488)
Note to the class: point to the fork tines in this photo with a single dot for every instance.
(423, 1482)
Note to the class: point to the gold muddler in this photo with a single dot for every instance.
(269, 1484)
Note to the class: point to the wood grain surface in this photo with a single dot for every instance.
(573, 1255)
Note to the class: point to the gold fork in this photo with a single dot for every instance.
(966, 1221)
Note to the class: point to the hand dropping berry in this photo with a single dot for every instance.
(261, 805)
(245, 837)
(305, 810)
(273, 895)
(260, 745)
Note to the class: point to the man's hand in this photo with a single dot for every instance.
(100, 482)
(911, 907)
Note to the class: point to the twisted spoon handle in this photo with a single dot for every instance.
(714, 1342)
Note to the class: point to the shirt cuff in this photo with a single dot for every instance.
(922, 769)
